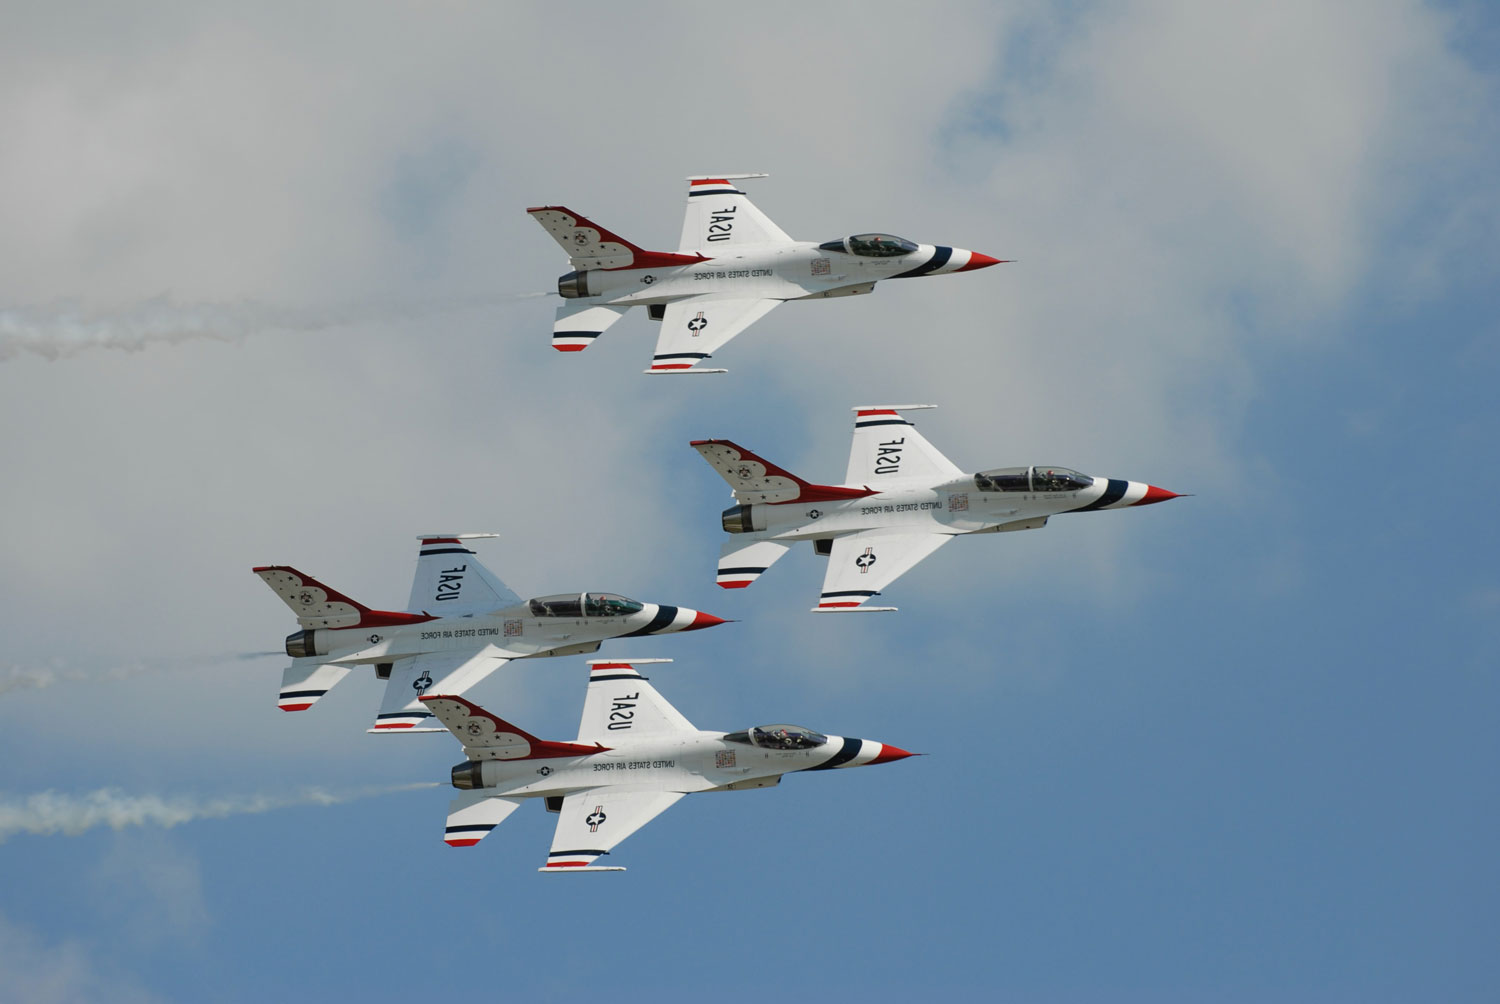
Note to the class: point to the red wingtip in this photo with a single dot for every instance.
(733, 585)
(889, 753)
(1155, 494)
(570, 348)
(978, 260)
(703, 620)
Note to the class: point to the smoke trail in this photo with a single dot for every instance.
(14, 678)
(57, 331)
(53, 812)
(40, 677)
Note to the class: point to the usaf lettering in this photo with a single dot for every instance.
(889, 459)
(622, 713)
(720, 223)
(450, 581)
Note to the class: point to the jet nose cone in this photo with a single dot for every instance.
(891, 753)
(703, 620)
(1155, 494)
(978, 260)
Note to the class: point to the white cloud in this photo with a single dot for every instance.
(39, 971)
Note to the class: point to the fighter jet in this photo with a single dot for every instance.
(900, 500)
(461, 624)
(634, 757)
(732, 266)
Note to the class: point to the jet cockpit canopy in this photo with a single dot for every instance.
(779, 737)
(583, 605)
(1032, 479)
(871, 246)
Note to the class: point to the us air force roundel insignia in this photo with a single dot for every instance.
(595, 818)
(544, 770)
(697, 324)
(864, 561)
(421, 683)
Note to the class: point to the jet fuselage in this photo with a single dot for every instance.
(800, 270)
(556, 625)
(952, 507)
(696, 761)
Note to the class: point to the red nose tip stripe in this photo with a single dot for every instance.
(1155, 494)
(977, 260)
(703, 620)
(889, 753)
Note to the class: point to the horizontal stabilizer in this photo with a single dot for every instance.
(755, 479)
(742, 562)
(472, 815)
(307, 680)
(579, 323)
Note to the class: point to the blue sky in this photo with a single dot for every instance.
(1240, 747)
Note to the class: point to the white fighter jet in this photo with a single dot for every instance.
(461, 624)
(900, 500)
(634, 757)
(733, 265)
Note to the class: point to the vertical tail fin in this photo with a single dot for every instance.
(755, 479)
(588, 245)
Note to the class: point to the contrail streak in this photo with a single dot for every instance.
(60, 330)
(14, 678)
(52, 812)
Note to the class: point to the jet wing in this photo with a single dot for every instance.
(449, 673)
(451, 581)
(692, 328)
(720, 217)
(592, 822)
(621, 702)
(472, 815)
(887, 447)
(862, 564)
